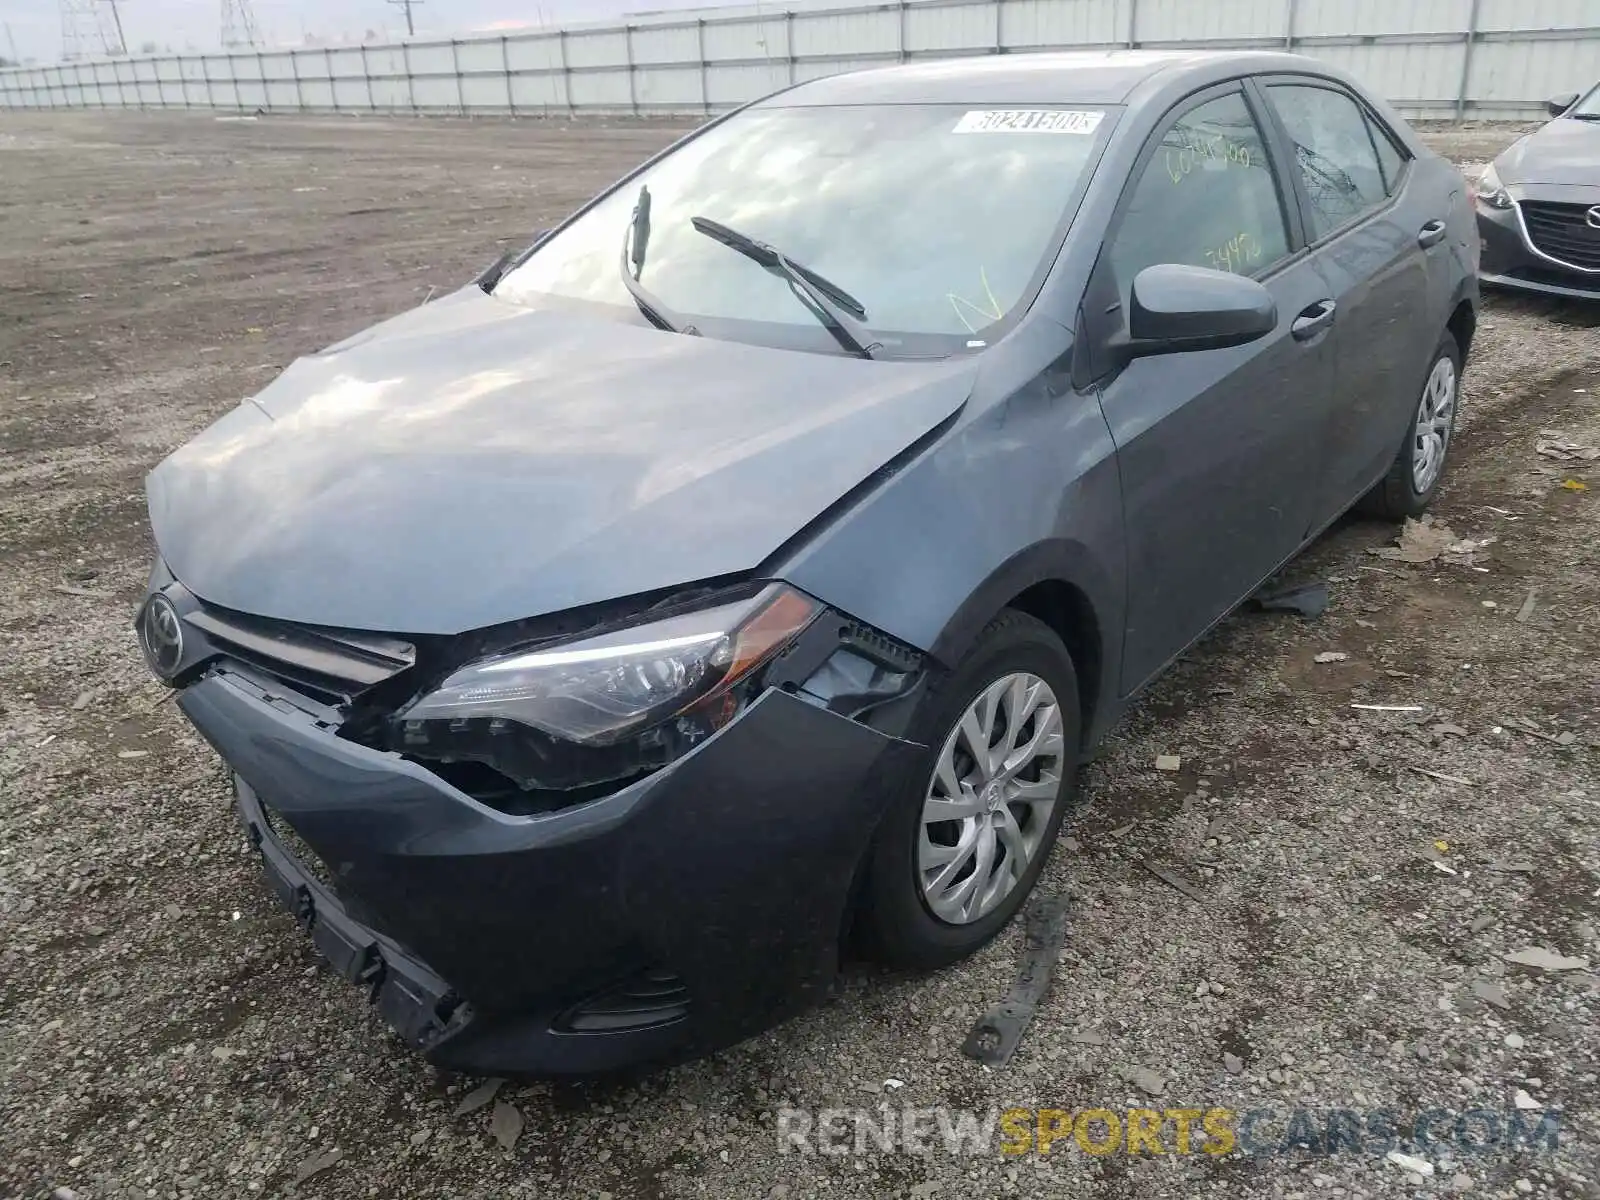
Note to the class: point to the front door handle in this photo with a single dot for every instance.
(1312, 320)
(1431, 234)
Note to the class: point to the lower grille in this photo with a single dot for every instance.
(1563, 232)
(649, 999)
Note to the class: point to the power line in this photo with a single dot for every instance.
(407, 5)
(239, 24)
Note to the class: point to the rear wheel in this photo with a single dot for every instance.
(968, 836)
(1418, 469)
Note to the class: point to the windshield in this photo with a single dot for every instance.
(1589, 106)
(939, 220)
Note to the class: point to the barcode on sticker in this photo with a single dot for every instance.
(1029, 120)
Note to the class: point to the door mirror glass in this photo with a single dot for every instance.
(1559, 104)
(1176, 309)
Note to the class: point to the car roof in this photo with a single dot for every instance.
(1066, 77)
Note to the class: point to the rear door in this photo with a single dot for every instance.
(1214, 448)
(1372, 247)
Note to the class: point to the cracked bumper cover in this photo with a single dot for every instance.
(475, 931)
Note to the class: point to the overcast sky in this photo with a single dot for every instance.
(35, 25)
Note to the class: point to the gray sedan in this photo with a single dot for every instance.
(741, 571)
(1539, 205)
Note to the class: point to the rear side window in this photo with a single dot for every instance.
(1336, 152)
(1206, 199)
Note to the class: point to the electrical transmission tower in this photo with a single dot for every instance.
(239, 24)
(90, 27)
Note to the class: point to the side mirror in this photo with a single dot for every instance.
(1559, 104)
(1177, 309)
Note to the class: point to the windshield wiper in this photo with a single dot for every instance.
(1585, 116)
(635, 242)
(840, 312)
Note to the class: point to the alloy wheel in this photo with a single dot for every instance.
(993, 791)
(1435, 417)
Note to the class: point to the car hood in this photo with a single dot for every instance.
(1563, 151)
(472, 462)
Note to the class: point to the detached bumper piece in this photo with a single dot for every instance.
(412, 1000)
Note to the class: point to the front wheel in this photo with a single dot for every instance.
(967, 837)
(1418, 469)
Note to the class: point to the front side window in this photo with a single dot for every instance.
(1206, 199)
(1587, 109)
(1335, 153)
(940, 220)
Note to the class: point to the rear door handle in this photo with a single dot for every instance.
(1431, 234)
(1312, 320)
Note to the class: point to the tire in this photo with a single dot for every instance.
(897, 921)
(1413, 480)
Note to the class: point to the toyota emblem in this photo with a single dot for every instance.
(1592, 217)
(161, 636)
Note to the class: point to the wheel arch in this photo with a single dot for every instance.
(1058, 583)
(1463, 325)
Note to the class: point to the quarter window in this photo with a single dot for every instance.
(1336, 153)
(1206, 199)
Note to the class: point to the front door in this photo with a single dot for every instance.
(1216, 449)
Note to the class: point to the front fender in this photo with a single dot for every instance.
(1025, 490)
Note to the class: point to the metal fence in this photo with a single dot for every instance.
(1491, 59)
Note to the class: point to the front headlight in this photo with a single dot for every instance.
(604, 707)
(1491, 191)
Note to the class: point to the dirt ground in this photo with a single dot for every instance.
(1341, 942)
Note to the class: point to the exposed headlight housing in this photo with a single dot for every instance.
(608, 707)
(1490, 191)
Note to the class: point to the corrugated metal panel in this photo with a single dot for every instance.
(1185, 21)
(601, 89)
(747, 40)
(597, 49)
(481, 56)
(1404, 74)
(1380, 18)
(730, 86)
(674, 45)
(953, 28)
(538, 93)
(346, 64)
(1538, 14)
(485, 93)
(667, 87)
(1409, 50)
(1522, 71)
(386, 60)
(847, 34)
(1027, 23)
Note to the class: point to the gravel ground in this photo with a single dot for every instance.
(1341, 940)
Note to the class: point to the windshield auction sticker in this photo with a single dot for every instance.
(1030, 120)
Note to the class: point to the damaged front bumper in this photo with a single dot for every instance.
(677, 915)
